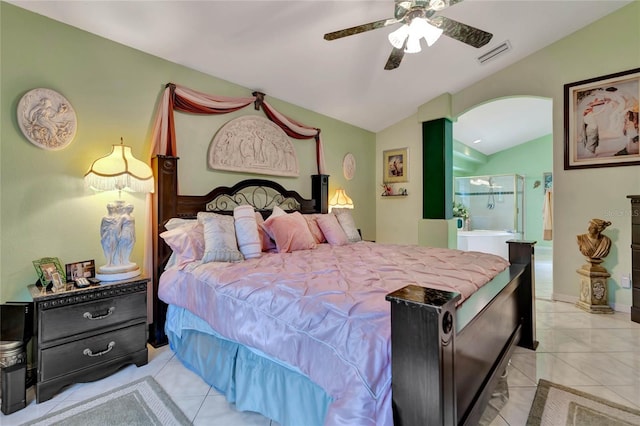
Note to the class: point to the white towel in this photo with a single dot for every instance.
(547, 219)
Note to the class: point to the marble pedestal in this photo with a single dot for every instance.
(593, 288)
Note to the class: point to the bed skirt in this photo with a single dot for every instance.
(252, 381)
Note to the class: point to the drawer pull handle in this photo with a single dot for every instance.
(110, 346)
(89, 315)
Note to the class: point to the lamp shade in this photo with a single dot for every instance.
(397, 37)
(121, 171)
(340, 200)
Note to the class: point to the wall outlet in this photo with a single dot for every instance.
(625, 281)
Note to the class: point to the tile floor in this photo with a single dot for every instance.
(598, 354)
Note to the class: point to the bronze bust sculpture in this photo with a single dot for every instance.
(595, 245)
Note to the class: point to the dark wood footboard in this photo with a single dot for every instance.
(444, 377)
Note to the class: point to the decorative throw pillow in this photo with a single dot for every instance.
(220, 244)
(290, 232)
(277, 211)
(186, 241)
(247, 231)
(312, 222)
(265, 240)
(176, 222)
(332, 230)
(345, 219)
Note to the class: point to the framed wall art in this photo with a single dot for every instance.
(601, 121)
(395, 165)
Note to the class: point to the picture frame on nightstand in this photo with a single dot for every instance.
(83, 273)
(46, 267)
(83, 269)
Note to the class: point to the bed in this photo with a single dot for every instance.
(422, 356)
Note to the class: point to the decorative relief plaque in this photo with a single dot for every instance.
(47, 119)
(253, 144)
(349, 166)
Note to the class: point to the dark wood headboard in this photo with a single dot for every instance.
(168, 203)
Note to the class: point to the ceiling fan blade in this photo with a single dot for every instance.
(360, 28)
(401, 9)
(395, 58)
(465, 33)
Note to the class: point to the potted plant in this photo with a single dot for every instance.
(462, 213)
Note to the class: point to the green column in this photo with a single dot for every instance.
(437, 164)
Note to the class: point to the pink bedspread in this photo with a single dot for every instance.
(324, 310)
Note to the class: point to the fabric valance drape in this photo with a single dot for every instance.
(179, 98)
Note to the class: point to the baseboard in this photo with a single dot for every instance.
(557, 297)
(618, 307)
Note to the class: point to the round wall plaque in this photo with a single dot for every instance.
(46, 119)
(349, 166)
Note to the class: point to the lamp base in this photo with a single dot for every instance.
(117, 273)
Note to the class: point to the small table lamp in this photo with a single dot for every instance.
(340, 200)
(120, 171)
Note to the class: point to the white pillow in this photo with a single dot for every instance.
(176, 222)
(348, 224)
(247, 231)
(220, 244)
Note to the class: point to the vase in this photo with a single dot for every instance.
(467, 225)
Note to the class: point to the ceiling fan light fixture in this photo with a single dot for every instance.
(397, 37)
(424, 29)
(413, 44)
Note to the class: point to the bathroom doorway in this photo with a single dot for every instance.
(514, 135)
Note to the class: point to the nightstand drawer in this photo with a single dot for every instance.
(69, 320)
(60, 360)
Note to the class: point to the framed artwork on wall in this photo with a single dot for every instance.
(395, 165)
(601, 121)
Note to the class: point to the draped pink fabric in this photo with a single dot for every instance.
(179, 98)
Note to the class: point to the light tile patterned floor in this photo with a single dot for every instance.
(594, 353)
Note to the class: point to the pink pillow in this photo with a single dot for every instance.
(312, 222)
(290, 231)
(332, 230)
(266, 242)
(186, 241)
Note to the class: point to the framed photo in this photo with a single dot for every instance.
(59, 283)
(84, 269)
(601, 121)
(395, 165)
(46, 268)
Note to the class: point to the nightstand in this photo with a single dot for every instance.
(85, 334)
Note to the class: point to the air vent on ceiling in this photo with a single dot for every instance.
(493, 53)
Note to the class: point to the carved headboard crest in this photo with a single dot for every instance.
(260, 197)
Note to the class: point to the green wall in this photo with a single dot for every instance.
(530, 159)
(45, 209)
(609, 45)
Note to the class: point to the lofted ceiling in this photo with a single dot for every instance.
(504, 123)
(277, 47)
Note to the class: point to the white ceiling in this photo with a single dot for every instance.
(504, 123)
(277, 47)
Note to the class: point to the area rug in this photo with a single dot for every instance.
(139, 403)
(558, 405)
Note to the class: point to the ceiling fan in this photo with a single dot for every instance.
(417, 17)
